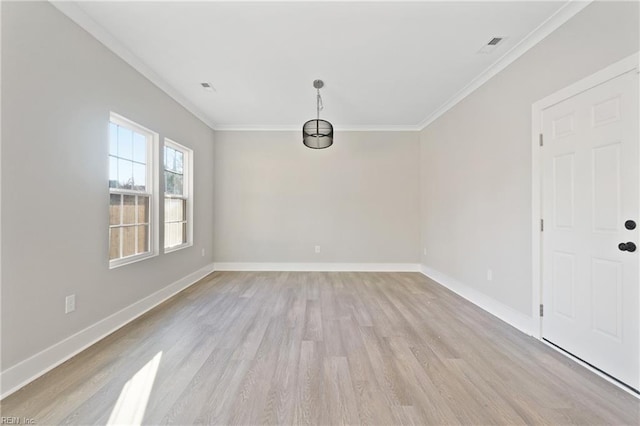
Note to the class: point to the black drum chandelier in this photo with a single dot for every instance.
(317, 134)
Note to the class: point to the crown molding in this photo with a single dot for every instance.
(80, 17)
(298, 128)
(77, 15)
(561, 16)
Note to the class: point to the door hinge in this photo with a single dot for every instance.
(541, 225)
(541, 310)
(541, 140)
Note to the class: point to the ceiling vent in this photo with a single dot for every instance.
(491, 45)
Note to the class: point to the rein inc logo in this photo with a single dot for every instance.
(10, 420)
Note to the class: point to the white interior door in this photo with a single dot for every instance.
(590, 189)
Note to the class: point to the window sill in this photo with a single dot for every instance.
(116, 263)
(176, 248)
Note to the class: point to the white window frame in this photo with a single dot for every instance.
(151, 192)
(187, 182)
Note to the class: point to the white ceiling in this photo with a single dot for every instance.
(386, 65)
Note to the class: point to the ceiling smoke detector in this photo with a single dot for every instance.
(208, 87)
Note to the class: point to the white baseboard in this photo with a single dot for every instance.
(31, 368)
(507, 314)
(318, 267)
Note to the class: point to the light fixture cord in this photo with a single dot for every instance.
(319, 104)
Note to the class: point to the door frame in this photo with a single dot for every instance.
(612, 71)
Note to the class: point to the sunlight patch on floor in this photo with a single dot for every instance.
(132, 402)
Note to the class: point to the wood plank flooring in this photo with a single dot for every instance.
(320, 348)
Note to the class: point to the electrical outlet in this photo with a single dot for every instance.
(202, 252)
(70, 304)
(489, 275)
(317, 249)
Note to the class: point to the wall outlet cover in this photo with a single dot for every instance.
(70, 304)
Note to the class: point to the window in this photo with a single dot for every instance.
(132, 200)
(178, 215)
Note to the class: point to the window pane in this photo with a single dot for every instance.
(178, 185)
(128, 241)
(139, 148)
(174, 234)
(168, 238)
(164, 157)
(139, 176)
(168, 213)
(168, 182)
(113, 139)
(114, 209)
(169, 158)
(113, 172)
(125, 143)
(174, 209)
(128, 209)
(143, 238)
(143, 209)
(179, 161)
(114, 243)
(173, 183)
(125, 174)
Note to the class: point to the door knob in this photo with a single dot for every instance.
(630, 247)
(630, 224)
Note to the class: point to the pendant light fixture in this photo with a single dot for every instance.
(317, 134)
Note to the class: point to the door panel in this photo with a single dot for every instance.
(606, 188)
(563, 197)
(564, 284)
(606, 112)
(606, 285)
(590, 186)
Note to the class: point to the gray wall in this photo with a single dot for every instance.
(476, 159)
(276, 199)
(58, 86)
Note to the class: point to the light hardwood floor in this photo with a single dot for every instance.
(322, 348)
